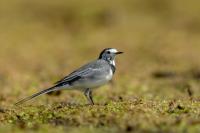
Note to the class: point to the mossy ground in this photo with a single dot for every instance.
(156, 87)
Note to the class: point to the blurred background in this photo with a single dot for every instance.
(42, 41)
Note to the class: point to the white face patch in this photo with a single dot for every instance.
(113, 62)
(113, 50)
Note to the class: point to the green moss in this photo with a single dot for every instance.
(156, 85)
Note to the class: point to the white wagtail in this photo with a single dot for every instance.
(87, 77)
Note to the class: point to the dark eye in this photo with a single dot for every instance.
(108, 52)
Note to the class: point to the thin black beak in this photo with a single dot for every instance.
(119, 52)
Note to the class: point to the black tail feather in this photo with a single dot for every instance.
(37, 94)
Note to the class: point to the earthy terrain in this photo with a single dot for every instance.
(156, 87)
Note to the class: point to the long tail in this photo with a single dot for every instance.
(54, 88)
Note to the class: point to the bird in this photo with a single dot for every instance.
(86, 78)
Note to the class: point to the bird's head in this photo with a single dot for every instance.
(109, 55)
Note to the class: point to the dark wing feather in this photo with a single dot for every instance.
(67, 82)
(68, 76)
(82, 70)
(73, 76)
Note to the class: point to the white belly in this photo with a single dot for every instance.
(110, 75)
(104, 81)
(95, 82)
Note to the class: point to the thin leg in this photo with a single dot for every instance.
(88, 94)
